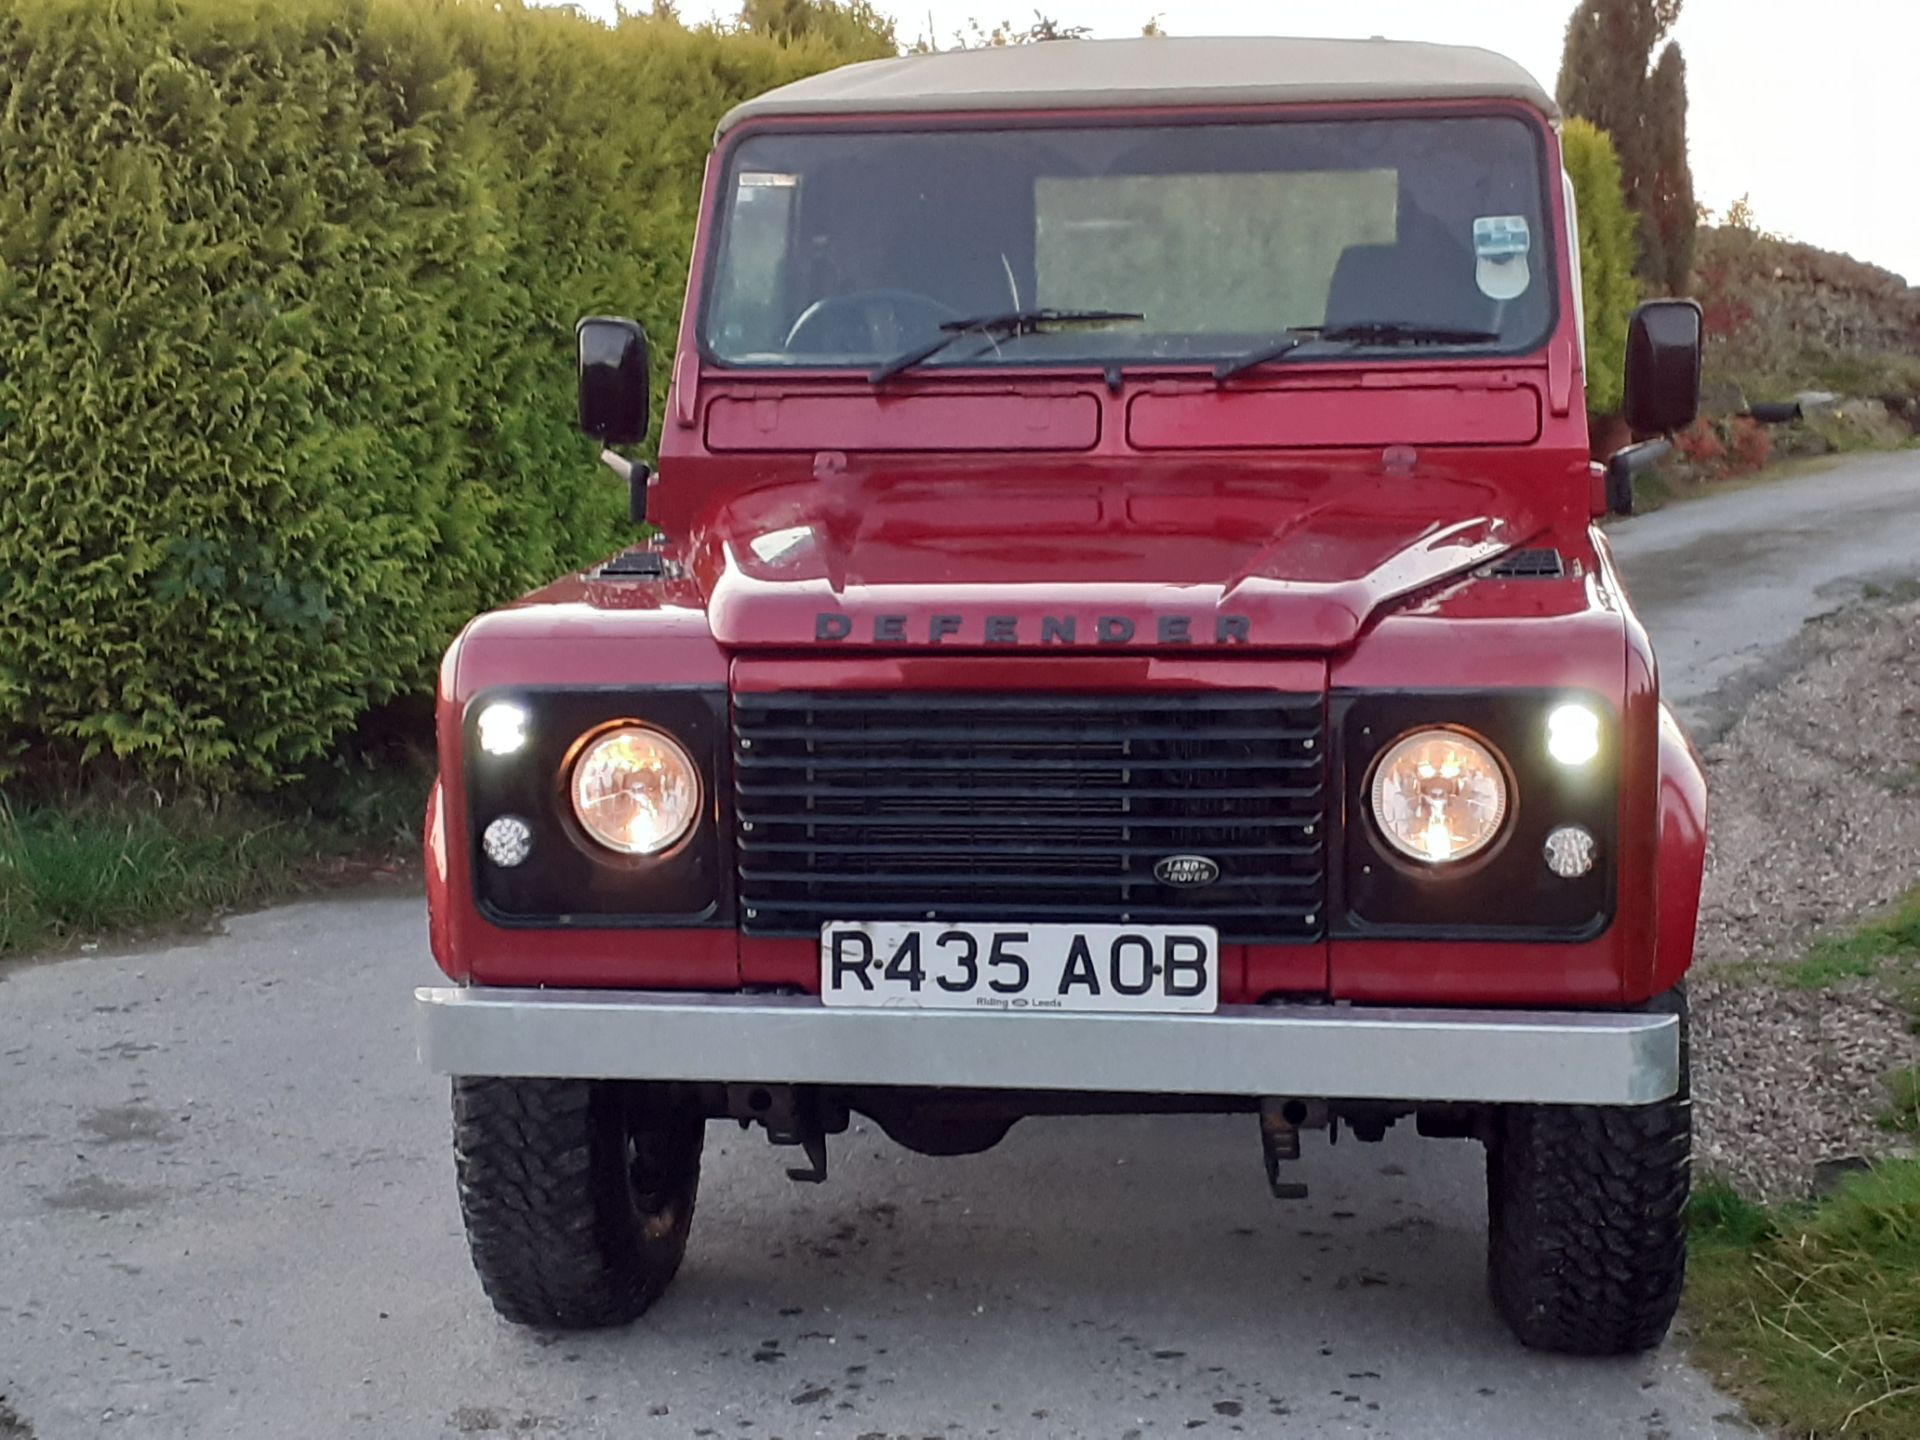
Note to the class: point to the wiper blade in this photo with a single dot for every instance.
(1288, 342)
(1003, 326)
(1402, 332)
(1367, 332)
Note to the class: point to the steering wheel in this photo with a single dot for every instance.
(867, 322)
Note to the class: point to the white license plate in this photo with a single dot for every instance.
(935, 966)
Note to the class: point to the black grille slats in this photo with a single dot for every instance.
(1537, 564)
(1030, 807)
(635, 564)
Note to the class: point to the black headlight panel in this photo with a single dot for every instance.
(538, 760)
(1476, 814)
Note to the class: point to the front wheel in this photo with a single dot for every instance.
(577, 1195)
(1587, 1232)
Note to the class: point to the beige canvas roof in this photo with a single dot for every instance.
(1082, 74)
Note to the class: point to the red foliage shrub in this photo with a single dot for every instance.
(1717, 449)
(1750, 447)
(1700, 445)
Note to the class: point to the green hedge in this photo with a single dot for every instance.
(1608, 253)
(287, 290)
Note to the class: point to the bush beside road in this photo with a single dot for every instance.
(287, 294)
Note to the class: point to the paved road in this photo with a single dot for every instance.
(1726, 583)
(226, 1207)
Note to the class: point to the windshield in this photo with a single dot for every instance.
(849, 249)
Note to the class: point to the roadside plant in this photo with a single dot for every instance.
(1608, 288)
(1700, 445)
(287, 290)
(1609, 75)
(1808, 1311)
(1749, 446)
(1725, 448)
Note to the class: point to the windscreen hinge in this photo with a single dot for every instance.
(686, 388)
(1560, 377)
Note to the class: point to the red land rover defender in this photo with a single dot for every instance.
(1127, 633)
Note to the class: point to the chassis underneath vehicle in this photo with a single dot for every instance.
(970, 1122)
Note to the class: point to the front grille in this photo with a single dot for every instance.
(1030, 807)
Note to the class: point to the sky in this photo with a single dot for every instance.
(1807, 108)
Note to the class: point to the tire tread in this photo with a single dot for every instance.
(549, 1220)
(1587, 1239)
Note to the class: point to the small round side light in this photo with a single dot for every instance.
(508, 840)
(1573, 735)
(1570, 852)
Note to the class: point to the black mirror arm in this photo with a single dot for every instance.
(636, 473)
(1626, 465)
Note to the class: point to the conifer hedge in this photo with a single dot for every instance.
(287, 290)
(1608, 254)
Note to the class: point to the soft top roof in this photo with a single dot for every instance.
(1120, 74)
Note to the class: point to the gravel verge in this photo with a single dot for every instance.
(1815, 824)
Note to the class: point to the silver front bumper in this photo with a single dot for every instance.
(1317, 1051)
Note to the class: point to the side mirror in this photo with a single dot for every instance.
(614, 394)
(1663, 367)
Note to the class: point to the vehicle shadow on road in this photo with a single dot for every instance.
(1156, 1212)
(1133, 1265)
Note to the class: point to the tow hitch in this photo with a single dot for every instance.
(1281, 1122)
(793, 1115)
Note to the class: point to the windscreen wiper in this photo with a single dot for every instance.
(1359, 332)
(1288, 342)
(1004, 326)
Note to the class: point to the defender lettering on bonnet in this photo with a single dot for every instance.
(1035, 630)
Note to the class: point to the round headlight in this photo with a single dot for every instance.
(635, 790)
(1439, 796)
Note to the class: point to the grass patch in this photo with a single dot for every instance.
(1652, 491)
(1887, 943)
(1903, 1105)
(1857, 434)
(1853, 373)
(105, 863)
(1856, 374)
(1900, 592)
(1811, 1313)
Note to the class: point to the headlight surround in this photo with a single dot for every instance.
(571, 878)
(634, 790)
(1440, 796)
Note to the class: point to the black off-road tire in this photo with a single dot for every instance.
(1587, 1221)
(577, 1195)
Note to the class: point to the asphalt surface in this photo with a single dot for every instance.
(226, 1201)
(1724, 584)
